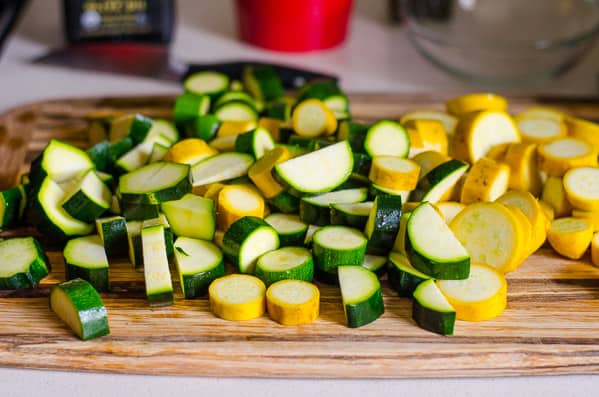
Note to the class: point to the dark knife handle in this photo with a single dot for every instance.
(10, 10)
(291, 77)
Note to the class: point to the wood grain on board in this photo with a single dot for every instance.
(551, 325)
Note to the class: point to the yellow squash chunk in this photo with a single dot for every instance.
(219, 235)
(449, 121)
(570, 237)
(486, 181)
(547, 210)
(213, 190)
(542, 112)
(273, 126)
(524, 175)
(476, 133)
(189, 151)
(582, 188)
(449, 209)
(429, 134)
(476, 102)
(591, 216)
(541, 130)
(293, 302)
(482, 296)
(498, 152)
(224, 143)
(554, 194)
(394, 173)
(531, 208)
(527, 247)
(232, 127)
(261, 171)
(235, 202)
(595, 250)
(312, 118)
(585, 130)
(557, 157)
(237, 297)
(491, 234)
(429, 160)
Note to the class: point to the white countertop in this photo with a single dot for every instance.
(376, 57)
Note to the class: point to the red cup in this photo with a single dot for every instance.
(293, 25)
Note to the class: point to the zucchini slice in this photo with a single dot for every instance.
(236, 111)
(403, 277)
(482, 296)
(139, 212)
(319, 171)
(89, 200)
(24, 263)
(136, 256)
(133, 126)
(351, 214)
(209, 83)
(285, 263)
(50, 217)
(79, 305)
(255, 142)
(361, 295)
(159, 287)
(383, 224)
(438, 184)
(375, 264)
(262, 82)
(113, 233)
(334, 246)
(354, 133)
(191, 216)
(11, 202)
(158, 152)
(85, 258)
(161, 220)
(60, 162)
(293, 302)
(387, 138)
(246, 240)
(432, 248)
(155, 183)
(198, 263)
(285, 202)
(101, 156)
(189, 106)
(315, 210)
(292, 231)
(203, 127)
(450, 209)
(237, 297)
(582, 187)
(165, 129)
(220, 168)
(431, 309)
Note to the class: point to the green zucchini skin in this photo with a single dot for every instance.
(304, 271)
(263, 82)
(303, 142)
(339, 217)
(99, 278)
(314, 214)
(430, 320)
(328, 259)
(189, 106)
(11, 201)
(204, 127)
(196, 285)
(285, 202)
(236, 235)
(458, 270)
(89, 306)
(114, 236)
(330, 278)
(36, 271)
(80, 207)
(355, 133)
(365, 312)
(175, 192)
(139, 212)
(403, 282)
(101, 156)
(139, 128)
(118, 149)
(386, 215)
(362, 163)
(280, 110)
(294, 238)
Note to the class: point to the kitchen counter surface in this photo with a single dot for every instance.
(376, 57)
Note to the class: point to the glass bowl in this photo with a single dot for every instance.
(503, 42)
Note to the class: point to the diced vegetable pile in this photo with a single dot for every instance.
(290, 188)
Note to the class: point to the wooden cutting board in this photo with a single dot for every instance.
(551, 325)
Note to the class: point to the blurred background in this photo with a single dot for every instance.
(431, 46)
